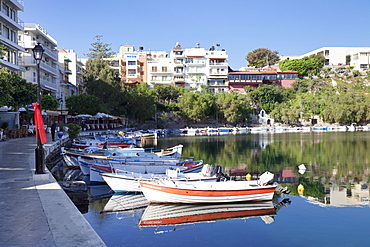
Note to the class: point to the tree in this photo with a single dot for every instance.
(16, 91)
(140, 102)
(167, 93)
(100, 49)
(97, 68)
(266, 96)
(233, 107)
(49, 103)
(262, 57)
(110, 96)
(87, 104)
(197, 106)
(304, 66)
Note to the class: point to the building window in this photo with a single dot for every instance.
(12, 15)
(131, 63)
(131, 72)
(5, 9)
(154, 78)
(188, 60)
(164, 78)
(154, 69)
(13, 36)
(164, 69)
(6, 32)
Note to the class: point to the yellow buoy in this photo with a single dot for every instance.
(120, 133)
(300, 189)
(248, 177)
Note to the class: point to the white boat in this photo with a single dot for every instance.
(170, 191)
(99, 141)
(130, 181)
(122, 154)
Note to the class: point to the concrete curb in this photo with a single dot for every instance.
(67, 225)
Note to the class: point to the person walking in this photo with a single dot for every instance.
(53, 129)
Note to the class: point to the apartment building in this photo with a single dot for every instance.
(70, 75)
(32, 35)
(133, 65)
(159, 68)
(187, 68)
(73, 70)
(10, 25)
(197, 67)
(218, 68)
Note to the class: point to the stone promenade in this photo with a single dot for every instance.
(35, 211)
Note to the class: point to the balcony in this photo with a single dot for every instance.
(178, 79)
(178, 72)
(218, 73)
(14, 24)
(196, 63)
(161, 71)
(47, 83)
(10, 65)
(52, 53)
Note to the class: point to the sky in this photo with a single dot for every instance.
(291, 27)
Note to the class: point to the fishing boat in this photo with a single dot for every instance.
(97, 167)
(171, 191)
(100, 141)
(129, 181)
(123, 154)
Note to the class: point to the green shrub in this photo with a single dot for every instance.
(73, 130)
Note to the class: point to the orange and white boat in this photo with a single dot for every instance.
(171, 191)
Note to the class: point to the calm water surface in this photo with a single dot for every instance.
(333, 210)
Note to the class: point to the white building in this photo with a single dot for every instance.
(32, 35)
(73, 70)
(197, 67)
(187, 68)
(159, 68)
(358, 57)
(10, 25)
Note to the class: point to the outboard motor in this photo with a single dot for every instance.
(216, 170)
(220, 175)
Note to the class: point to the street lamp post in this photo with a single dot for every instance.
(61, 110)
(38, 51)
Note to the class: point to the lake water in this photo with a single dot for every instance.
(333, 209)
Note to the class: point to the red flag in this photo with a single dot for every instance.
(40, 131)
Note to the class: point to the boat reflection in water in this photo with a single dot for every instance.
(157, 215)
(125, 202)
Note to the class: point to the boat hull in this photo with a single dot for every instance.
(131, 183)
(211, 192)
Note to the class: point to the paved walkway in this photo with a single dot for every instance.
(35, 211)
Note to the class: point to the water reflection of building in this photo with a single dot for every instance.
(287, 176)
(261, 140)
(336, 196)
